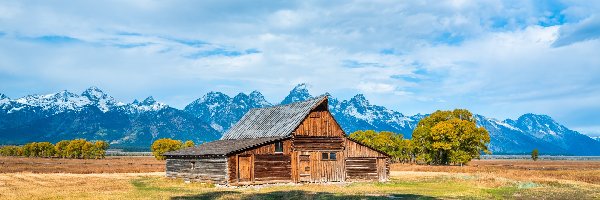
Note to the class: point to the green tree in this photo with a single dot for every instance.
(449, 137)
(161, 146)
(61, 148)
(391, 143)
(188, 143)
(534, 154)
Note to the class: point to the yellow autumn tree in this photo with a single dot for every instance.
(161, 146)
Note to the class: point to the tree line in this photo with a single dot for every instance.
(161, 146)
(442, 138)
(78, 148)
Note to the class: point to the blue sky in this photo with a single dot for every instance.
(497, 58)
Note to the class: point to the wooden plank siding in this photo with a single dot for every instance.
(318, 143)
(272, 167)
(262, 158)
(212, 170)
(355, 150)
(362, 168)
(320, 123)
(326, 170)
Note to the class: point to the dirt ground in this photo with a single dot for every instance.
(113, 164)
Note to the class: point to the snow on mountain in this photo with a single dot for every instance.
(98, 98)
(62, 101)
(299, 93)
(358, 114)
(221, 111)
(4, 99)
(96, 115)
(55, 102)
(148, 105)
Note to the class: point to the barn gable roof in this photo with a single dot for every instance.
(223, 147)
(275, 121)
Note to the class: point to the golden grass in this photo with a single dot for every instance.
(480, 180)
(116, 164)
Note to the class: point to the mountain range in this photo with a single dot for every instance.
(95, 115)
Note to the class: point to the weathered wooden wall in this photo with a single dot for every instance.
(321, 123)
(355, 151)
(263, 160)
(272, 167)
(303, 143)
(269, 149)
(361, 168)
(325, 170)
(213, 170)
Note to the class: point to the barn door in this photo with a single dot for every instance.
(304, 168)
(245, 168)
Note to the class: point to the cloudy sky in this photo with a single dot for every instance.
(497, 58)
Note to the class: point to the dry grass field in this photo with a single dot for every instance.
(486, 179)
(113, 164)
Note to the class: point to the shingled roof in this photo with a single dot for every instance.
(275, 121)
(223, 147)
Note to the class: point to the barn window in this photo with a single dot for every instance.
(332, 156)
(193, 165)
(328, 156)
(278, 147)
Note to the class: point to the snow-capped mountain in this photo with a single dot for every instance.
(98, 98)
(507, 137)
(222, 111)
(147, 105)
(96, 115)
(299, 93)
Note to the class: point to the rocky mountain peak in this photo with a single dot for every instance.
(538, 123)
(359, 99)
(258, 99)
(148, 101)
(94, 94)
(299, 93)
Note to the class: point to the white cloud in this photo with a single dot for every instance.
(495, 57)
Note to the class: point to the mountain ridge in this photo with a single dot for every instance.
(97, 115)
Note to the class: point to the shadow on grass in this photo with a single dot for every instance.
(295, 194)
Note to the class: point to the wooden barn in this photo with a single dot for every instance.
(298, 142)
